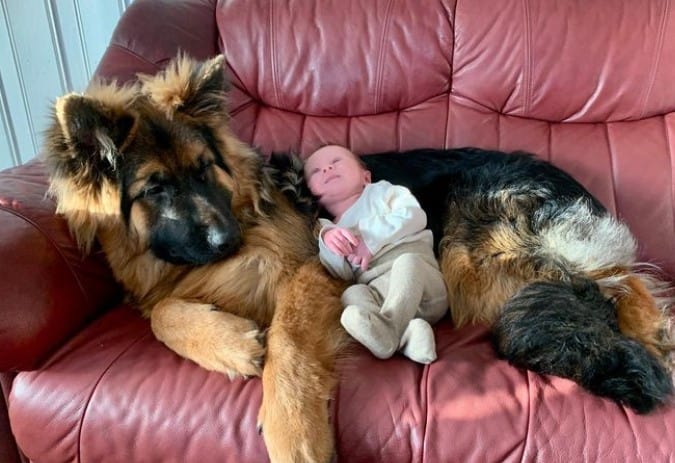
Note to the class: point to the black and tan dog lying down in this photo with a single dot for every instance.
(215, 246)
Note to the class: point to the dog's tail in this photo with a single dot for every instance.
(643, 306)
(570, 329)
(595, 244)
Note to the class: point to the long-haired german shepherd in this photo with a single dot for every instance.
(214, 247)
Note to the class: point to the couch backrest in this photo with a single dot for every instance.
(586, 85)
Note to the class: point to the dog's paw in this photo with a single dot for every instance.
(230, 344)
(242, 353)
(247, 359)
(215, 340)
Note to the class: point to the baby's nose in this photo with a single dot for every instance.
(329, 167)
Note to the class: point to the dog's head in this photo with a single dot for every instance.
(155, 161)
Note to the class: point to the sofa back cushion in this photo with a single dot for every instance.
(584, 85)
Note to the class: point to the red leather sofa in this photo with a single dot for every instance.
(589, 86)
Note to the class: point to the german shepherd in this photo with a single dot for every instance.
(216, 247)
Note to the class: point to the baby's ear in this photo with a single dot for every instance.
(367, 176)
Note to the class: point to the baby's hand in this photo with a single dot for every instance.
(361, 256)
(340, 241)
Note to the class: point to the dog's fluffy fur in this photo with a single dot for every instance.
(215, 246)
(204, 241)
(511, 222)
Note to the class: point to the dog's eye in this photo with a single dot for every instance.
(152, 190)
(204, 168)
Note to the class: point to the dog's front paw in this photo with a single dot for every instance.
(248, 361)
(215, 340)
(238, 346)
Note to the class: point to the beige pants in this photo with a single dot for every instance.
(402, 285)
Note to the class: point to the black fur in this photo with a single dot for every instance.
(570, 330)
(565, 328)
(470, 175)
(286, 173)
(188, 209)
(173, 240)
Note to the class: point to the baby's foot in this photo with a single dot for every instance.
(371, 330)
(417, 342)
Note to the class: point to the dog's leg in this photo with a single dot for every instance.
(477, 288)
(298, 377)
(216, 340)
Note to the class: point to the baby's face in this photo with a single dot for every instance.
(333, 173)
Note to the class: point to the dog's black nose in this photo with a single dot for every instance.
(223, 241)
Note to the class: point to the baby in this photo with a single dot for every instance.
(378, 238)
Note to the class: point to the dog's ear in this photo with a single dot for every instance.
(83, 146)
(287, 173)
(89, 132)
(190, 87)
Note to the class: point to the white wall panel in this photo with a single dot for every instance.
(47, 48)
(15, 118)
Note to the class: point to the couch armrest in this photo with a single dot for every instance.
(47, 288)
(151, 32)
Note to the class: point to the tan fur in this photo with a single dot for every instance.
(482, 279)
(85, 211)
(171, 88)
(143, 173)
(638, 313)
(308, 309)
(474, 294)
(219, 341)
(214, 314)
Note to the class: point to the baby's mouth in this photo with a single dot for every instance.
(330, 178)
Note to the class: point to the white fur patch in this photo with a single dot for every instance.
(108, 150)
(588, 241)
(170, 213)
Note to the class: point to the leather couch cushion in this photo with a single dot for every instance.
(123, 396)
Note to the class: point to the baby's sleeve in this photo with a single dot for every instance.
(336, 265)
(400, 215)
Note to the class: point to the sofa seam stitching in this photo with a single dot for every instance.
(349, 132)
(242, 107)
(273, 56)
(657, 60)
(397, 130)
(670, 163)
(380, 58)
(527, 72)
(454, 45)
(549, 142)
(447, 122)
(303, 123)
(499, 131)
(528, 425)
(458, 98)
(425, 380)
(612, 171)
(452, 72)
(132, 53)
